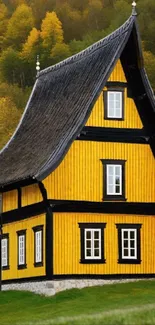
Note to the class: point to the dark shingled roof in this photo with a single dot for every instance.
(58, 108)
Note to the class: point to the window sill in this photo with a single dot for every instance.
(129, 261)
(91, 261)
(114, 118)
(7, 267)
(114, 198)
(38, 264)
(21, 267)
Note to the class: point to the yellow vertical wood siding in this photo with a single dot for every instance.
(10, 200)
(131, 116)
(12, 228)
(31, 194)
(67, 247)
(80, 175)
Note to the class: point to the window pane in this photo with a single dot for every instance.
(126, 252)
(110, 189)
(88, 234)
(88, 252)
(132, 244)
(110, 180)
(117, 170)
(96, 244)
(96, 252)
(118, 189)
(125, 234)
(132, 234)
(111, 96)
(110, 170)
(132, 252)
(96, 234)
(126, 243)
(118, 96)
(117, 105)
(88, 244)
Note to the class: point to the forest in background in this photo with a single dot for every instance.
(55, 30)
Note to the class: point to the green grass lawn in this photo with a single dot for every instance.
(125, 303)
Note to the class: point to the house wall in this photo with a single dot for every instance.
(80, 175)
(30, 270)
(67, 244)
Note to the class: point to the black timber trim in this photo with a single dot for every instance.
(94, 225)
(116, 84)
(109, 197)
(49, 243)
(105, 101)
(6, 236)
(21, 233)
(15, 185)
(36, 229)
(49, 231)
(140, 208)
(127, 226)
(122, 135)
(19, 197)
(23, 213)
(81, 276)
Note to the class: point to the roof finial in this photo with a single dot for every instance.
(134, 13)
(38, 65)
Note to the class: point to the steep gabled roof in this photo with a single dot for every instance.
(61, 102)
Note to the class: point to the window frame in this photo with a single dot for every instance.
(122, 259)
(35, 230)
(115, 196)
(19, 234)
(114, 89)
(92, 227)
(5, 236)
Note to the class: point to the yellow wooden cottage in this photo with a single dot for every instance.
(78, 176)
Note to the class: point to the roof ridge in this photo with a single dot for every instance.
(91, 48)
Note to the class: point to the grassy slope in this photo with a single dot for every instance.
(111, 304)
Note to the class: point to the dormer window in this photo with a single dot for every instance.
(114, 103)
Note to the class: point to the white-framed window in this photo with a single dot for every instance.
(129, 243)
(92, 243)
(114, 179)
(21, 248)
(5, 251)
(114, 104)
(38, 245)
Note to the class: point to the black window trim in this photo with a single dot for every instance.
(121, 226)
(6, 236)
(21, 233)
(108, 197)
(35, 229)
(116, 88)
(96, 225)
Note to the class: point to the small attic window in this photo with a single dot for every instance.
(114, 104)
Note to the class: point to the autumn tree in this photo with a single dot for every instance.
(32, 46)
(19, 26)
(60, 52)
(9, 119)
(51, 30)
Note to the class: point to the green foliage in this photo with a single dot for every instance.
(16, 94)
(11, 66)
(60, 52)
